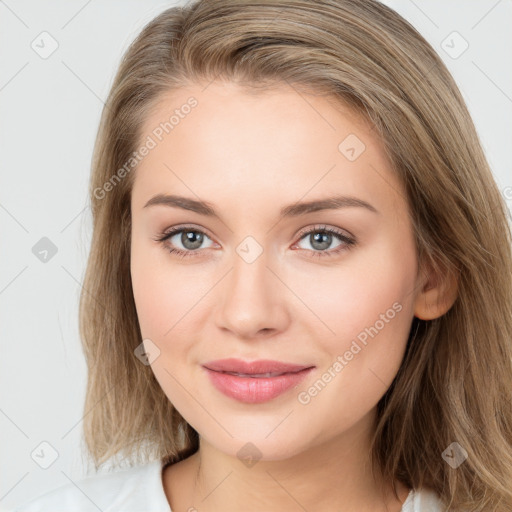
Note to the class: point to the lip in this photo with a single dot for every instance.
(252, 387)
(253, 367)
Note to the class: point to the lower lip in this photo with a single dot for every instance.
(255, 390)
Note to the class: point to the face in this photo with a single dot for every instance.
(256, 275)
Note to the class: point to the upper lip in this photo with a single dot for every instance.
(254, 367)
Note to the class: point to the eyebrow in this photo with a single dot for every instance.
(292, 210)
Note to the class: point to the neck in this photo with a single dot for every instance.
(335, 475)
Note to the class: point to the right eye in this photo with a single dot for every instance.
(190, 239)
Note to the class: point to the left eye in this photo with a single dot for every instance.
(320, 238)
(191, 239)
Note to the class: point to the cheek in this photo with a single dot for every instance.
(372, 287)
(159, 293)
(163, 302)
(362, 358)
(369, 306)
(165, 297)
(164, 289)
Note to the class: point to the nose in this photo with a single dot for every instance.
(253, 300)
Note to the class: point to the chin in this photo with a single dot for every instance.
(256, 445)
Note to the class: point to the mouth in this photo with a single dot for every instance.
(257, 368)
(256, 375)
(255, 382)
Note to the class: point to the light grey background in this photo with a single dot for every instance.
(50, 109)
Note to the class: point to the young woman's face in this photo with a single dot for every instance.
(259, 279)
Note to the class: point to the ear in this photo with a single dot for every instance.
(438, 292)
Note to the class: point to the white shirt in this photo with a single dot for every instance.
(140, 489)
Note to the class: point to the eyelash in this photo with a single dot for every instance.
(347, 241)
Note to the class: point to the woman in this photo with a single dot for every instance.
(299, 289)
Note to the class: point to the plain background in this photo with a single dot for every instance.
(50, 109)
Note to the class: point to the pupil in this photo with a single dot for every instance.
(321, 240)
(187, 239)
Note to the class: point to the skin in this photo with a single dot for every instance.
(249, 155)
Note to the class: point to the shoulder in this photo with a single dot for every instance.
(137, 489)
(423, 500)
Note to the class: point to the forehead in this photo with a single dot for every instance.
(280, 110)
(228, 141)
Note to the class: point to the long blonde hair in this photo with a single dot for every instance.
(455, 382)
